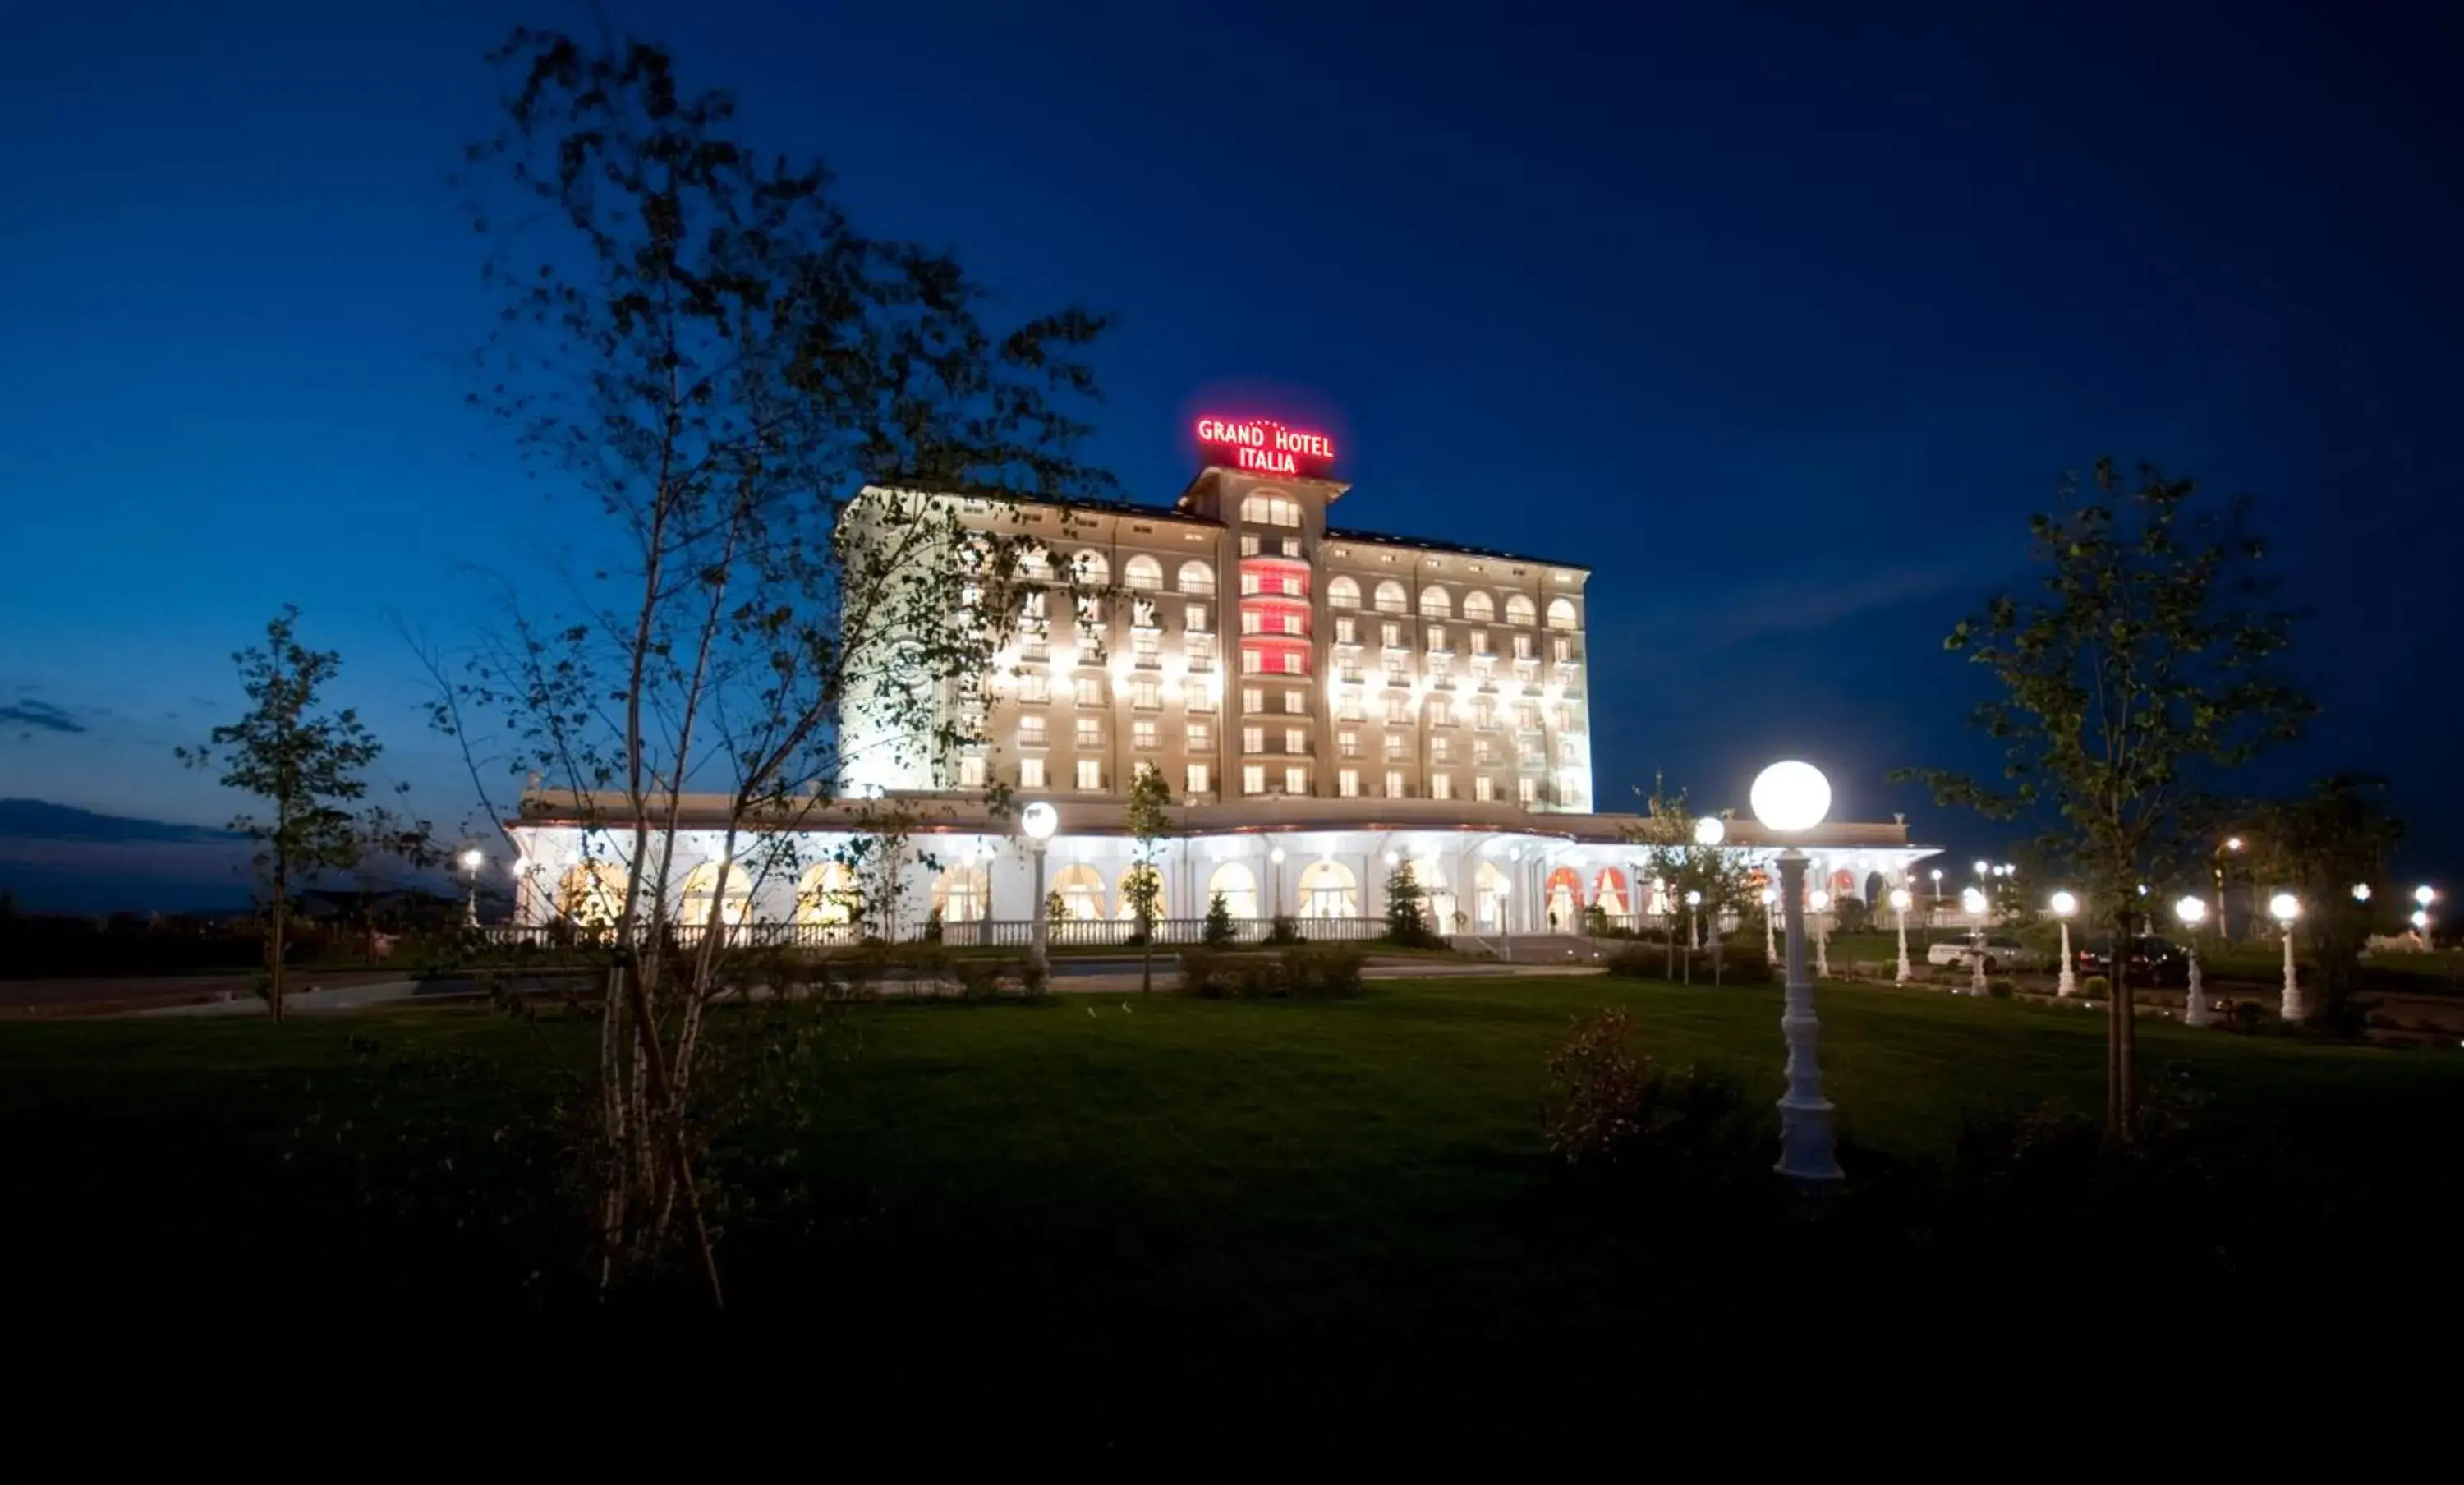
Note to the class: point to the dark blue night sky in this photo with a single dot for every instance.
(1781, 317)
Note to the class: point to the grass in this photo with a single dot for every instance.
(1201, 1224)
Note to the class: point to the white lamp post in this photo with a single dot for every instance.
(1770, 944)
(2284, 907)
(1694, 915)
(1274, 883)
(1789, 798)
(1936, 874)
(2422, 897)
(2194, 1009)
(472, 861)
(1899, 900)
(1038, 820)
(1974, 900)
(2065, 905)
(1821, 905)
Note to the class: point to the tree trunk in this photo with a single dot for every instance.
(281, 923)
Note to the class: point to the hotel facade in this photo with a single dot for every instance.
(1323, 703)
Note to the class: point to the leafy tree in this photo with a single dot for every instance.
(1218, 921)
(303, 762)
(760, 424)
(2319, 847)
(2145, 671)
(1407, 922)
(1148, 825)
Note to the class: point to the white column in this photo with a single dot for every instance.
(2293, 1009)
(1806, 1148)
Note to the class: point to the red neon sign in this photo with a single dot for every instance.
(1267, 447)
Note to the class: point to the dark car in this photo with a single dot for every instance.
(2150, 961)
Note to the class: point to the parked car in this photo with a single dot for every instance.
(2151, 961)
(1998, 954)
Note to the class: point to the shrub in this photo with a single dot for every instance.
(933, 927)
(1322, 971)
(1218, 930)
(1282, 930)
(2096, 987)
(2250, 1016)
(979, 976)
(2000, 987)
(1741, 965)
(1607, 1106)
(1207, 974)
(1638, 962)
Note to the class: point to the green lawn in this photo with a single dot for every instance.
(1219, 1223)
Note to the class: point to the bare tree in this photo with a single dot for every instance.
(762, 427)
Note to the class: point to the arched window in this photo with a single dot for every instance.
(591, 893)
(1143, 573)
(734, 900)
(1090, 567)
(1343, 593)
(1438, 895)
(1493, 889)
(1519, 609)
(1197, 577)
(827, 893)
(1330, 890)
(1236, 886)
(1608, 892)
(962, 893)
(1565, 895)
(1390, 598)
(1561, 613)
(1081, 891)
(1435, 603)
(1034, 563)
(1478, 607)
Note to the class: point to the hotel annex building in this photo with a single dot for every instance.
(1323, 701)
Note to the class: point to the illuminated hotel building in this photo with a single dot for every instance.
(1329, 695)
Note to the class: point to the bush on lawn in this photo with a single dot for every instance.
(1282, 930)
(2096, 987)
(1322, 971)
(2001, 987)
(1607, 1106)
(1209, 974)
(1305, 971)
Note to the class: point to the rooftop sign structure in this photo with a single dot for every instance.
(1263, 447)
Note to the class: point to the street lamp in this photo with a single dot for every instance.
(472, 861)
(1974, 900)
(1694, 932)
(1789, 798)
(2422, 897)
(1983, 867)
(1899, 900)
(2224, 927)
(1710, 831)
(2194, 1009)
(1038, 820)
(2285, 907)
(2065, 905)
(2360, 892)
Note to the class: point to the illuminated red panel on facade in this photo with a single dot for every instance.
(1264, 447)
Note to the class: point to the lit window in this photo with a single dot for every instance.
(1561, 650)
(1345, 634)
(1394, 746)
(1435, 603)
(1518, 609)
(1030, 732)
(1252, 622)
(1030, 773)
(1091, 732)
(1347, 784)
(1295, 702)
(1347, 745)
(1252, 662)
(1196, 778)
(1295, 781)
(1034, 686)
(1193, 618)
(1394, 783)
(1146, 648)
(1295, 740)
(1398, 712)
(1484, 712)
(1484, 788)
(1090, 774)
(1561, 613)
(1143, 573)
(971, 772)
(1392, 635)
(1090, 568)
(1197, 577)
(1569, 751)
(1389, 597)
(1523, 647)
(1091, 611)
(1292, 585)
(1343, 593)
(1526, 716)
(1292, 624)
(1477, 607)
(1253, 739)
(1143, 734)
(1481, 752)
(1479, 642)
(1248, 549)
(1294, 663)
(1201, 697)
(1201, 737)
(1090, 691)
(1249, 581)
(1252, 699)
(1565, 719)
(1441, 786)
(1253, 780)
(1437, 637)
(1528, 790)
(1347, 706)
